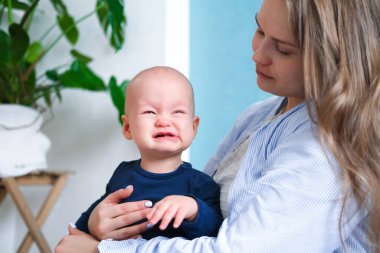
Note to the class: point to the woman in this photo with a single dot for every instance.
(308, 177)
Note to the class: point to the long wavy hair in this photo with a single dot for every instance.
(340, 44)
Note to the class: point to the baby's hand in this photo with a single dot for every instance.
(174, 206)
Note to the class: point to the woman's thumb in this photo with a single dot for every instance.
(74, 231)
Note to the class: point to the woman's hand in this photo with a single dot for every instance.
(77, 241)
(109, 218)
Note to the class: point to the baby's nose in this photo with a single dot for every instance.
(163, 121)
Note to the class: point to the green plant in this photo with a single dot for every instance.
(19, 81)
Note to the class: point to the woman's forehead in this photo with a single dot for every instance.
(273, 19)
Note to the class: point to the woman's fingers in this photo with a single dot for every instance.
(109, 215)
(125, 208)
(128, 232)
(104, 224)
(119, 195)
(75, 231)
(127, 219)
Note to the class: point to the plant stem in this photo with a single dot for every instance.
(56, 68)
(10, 12)
(28, 12)
(2, 10)
(48, 31)
(31, 67)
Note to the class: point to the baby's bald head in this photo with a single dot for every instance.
(150, 78)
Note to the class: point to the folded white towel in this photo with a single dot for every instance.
(23, 147)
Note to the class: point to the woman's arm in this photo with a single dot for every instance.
(288, 203)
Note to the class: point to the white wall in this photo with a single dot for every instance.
(85, 134)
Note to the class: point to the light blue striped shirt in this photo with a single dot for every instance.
(286, 196)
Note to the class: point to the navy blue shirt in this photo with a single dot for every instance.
(153, 186)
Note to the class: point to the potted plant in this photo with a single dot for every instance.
(24, 91)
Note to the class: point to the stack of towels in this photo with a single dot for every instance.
(23, 147)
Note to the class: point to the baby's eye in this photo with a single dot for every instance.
(179, 112)
(149, 112)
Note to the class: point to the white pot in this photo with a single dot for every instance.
(23, 147)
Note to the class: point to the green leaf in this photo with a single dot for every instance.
(34, 51)
(59, 6)
(66, 22)
(5, 49)
(67, 25)
(80, 57)
(47, 97)
(118, 95)
(81, 76)
(52, 75)
(19, 42)
(111, 15)
(58, 93)
(19, 5)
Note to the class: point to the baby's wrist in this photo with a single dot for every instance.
(194, 215)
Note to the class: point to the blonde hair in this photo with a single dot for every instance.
(340, 44)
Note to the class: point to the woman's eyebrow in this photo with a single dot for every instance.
(274, 38)
(257, 22)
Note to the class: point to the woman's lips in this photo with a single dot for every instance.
(262, 75)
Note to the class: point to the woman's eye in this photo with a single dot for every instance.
(283, 52)
(259, 31)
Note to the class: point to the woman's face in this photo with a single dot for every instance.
(276, 54)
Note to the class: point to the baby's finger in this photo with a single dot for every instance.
(152, 211)
(168, 216)
(180, 216)
(158, 213)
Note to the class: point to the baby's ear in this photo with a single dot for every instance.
(195, 125)
(126, 127)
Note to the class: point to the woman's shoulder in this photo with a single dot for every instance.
(257, 112)
(262, 107)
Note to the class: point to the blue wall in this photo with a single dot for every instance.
(221, 68)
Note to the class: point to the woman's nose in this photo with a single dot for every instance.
(261, 53)
(261, 57)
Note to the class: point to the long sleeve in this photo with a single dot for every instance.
(117, 181)
(286, 198)
(282, 210)
(82, 222)
(209, 219)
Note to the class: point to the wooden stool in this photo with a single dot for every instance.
(11, 185)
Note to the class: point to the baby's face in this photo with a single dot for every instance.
(160, 115)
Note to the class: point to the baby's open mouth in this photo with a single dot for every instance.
(161, 135)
